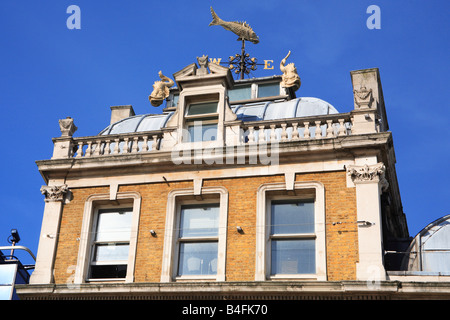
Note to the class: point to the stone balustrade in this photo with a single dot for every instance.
(328, 126)
(95, 146)
(283, 130)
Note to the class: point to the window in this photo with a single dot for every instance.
(198, 239)
(108, 237)
(290, 237)
(240, 93)
(268, 90)
(111, 244)
(254, 91)
(201, 122)
(195, 241)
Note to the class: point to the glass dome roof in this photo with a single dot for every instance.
(268, 110)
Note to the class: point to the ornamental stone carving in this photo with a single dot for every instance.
(363, 97)
(368, 173)
(67, 127)
(54, 193)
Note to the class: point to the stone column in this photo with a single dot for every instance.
(54, 198)
(369, 182)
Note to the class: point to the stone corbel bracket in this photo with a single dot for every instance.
(368, 173)
(54, 193)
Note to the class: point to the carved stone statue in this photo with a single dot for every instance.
(160, 90)
(290, 77)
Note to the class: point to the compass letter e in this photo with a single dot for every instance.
(74, 21)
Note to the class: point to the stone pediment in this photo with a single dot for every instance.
(205, 71)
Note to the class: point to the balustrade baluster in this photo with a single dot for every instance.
(261, 137)
(88, 150)
(97, 148)
(273, 135)
(107, 150)
(318, 132)
(117, 146)
(306, 133)
(283, 132)
(330, 131)
(80, 150)
(126, 148)
(135, 147)
(251, 135)
(144, 144)
(295, 131)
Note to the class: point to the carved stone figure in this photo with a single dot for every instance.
(203, 63)
(290, 77)
(160, 90)
(241, 29)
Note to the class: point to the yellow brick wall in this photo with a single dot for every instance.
(341, 231)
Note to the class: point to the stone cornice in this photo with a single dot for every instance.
(242, 290)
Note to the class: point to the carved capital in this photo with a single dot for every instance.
(54, 193)
(67, 127)
(368, 173)
(363, 97)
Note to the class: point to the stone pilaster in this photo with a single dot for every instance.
(369, 182)
(54, 199)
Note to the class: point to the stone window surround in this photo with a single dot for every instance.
(262, 269)
(174, 202)
(92, 205)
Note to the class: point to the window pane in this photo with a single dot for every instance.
(108, 272)
(114, 225)
(292, 216)
(111, 252)
(199, 132)
(268, 90)
(240, 93)
(198, 258)
(202, 108)
(293, 256)
(199, 220)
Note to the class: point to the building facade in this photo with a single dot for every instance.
(239, 189)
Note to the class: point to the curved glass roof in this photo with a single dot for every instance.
(269, 110)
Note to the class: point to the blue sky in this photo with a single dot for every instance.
(49, 72)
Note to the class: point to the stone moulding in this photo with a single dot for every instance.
(54, 193)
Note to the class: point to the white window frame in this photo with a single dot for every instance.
(94, 242)
(93, 204)
(171, 243)
(263, 231)
(204, 119)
